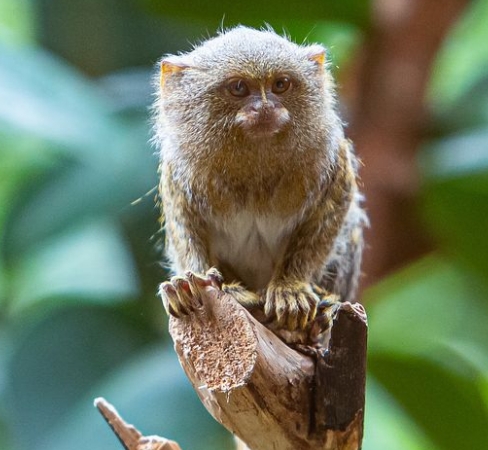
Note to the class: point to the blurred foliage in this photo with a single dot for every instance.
(274, 12)
(79, 260)
(462, 61)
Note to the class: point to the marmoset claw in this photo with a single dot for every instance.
(292, 305)
(183, 294)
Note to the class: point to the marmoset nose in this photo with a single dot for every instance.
(262, 108)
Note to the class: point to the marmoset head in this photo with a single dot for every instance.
(248, 84)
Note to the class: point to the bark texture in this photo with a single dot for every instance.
(269, 395)
(128, 435)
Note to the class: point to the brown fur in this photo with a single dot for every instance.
(261, 187)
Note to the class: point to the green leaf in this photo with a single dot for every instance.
(23, 158)
(484, 390)
(463, 59)
(446, 404)
(16, 21)
(467, 112)
(422, 307)
(387, 426)
(44, 97)
(457, 211)
(151, 392)
(55, 359)
(257, 13)
(5, 442)
(79, 192)
(456, 196)
(458, 156)
(91, 262)
(427, 339)
(99, 164)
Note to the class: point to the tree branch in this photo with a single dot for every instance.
(127, 434)
(267, 394)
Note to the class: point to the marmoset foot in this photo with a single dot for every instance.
(183, 294)
(291, 305)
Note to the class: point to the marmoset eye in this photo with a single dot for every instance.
(238, 88)
(280, 85)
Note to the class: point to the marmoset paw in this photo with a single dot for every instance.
(245, 297)
(183, 294)
(291, 304)
(326, 312)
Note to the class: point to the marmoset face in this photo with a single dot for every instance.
(261, 110)
(248, 86)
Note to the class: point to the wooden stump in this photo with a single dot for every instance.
(264, 392)
(267, 394)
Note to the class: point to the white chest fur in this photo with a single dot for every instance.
(250, 246)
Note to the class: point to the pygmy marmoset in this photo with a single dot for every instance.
(256, 177)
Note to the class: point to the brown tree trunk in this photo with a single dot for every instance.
(385, 91)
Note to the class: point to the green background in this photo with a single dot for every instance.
(80, 249)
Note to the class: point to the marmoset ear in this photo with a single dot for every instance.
(170, 66)
(317, 54)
